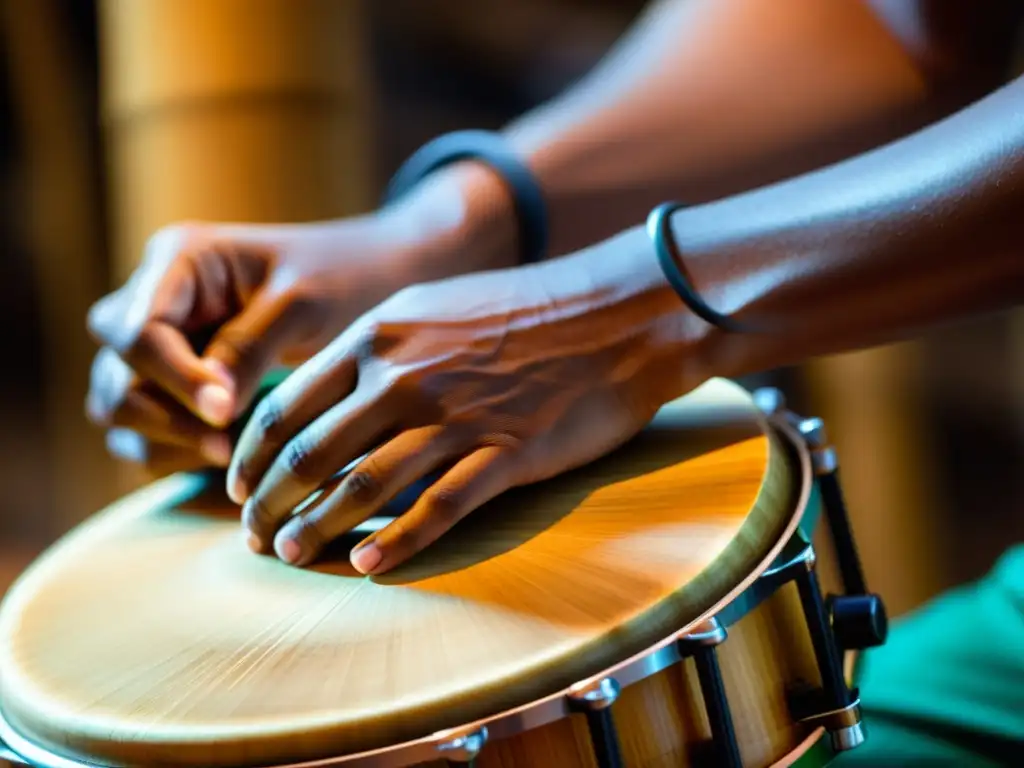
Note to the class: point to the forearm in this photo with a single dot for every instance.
(706, 98)
(925, 230)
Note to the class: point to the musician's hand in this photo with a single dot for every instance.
(256, 297)
(495, 380)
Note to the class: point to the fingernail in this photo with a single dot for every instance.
(288, 550)
(254, 543)
(218, 369)
(366, 558)
(237, 491)
(214, 403)
(216, 449)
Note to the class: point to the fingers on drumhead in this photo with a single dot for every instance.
(310, 459)
(471, 483)
(298, 402)
(365, 490)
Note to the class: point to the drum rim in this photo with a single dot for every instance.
(40, 757)
(555, 706)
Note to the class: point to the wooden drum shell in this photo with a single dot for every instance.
(661, 721)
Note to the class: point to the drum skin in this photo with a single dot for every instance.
(151, 636)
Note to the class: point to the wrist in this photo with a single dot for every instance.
(460, 219)
(667, 347)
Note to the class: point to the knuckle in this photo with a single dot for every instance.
(402, 537)
(95, 320)
(129, 446)
(310, 535)
(374, 337)
(300, 459)
(364, 346)
(134, 344)
(255, 515)
(409, 295)
(363, 487)
(269, 420)
(110, 386)
(444, 504)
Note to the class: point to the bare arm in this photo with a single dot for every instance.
(705, 98)
(925, 230)
(702, 98)
(545, 367)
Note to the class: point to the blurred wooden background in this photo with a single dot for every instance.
(119, 118)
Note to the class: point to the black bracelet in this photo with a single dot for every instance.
(671, 265)
(491, 149)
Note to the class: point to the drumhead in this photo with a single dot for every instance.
(151, 636)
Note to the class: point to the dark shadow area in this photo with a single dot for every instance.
(515, 517)
(521, 514)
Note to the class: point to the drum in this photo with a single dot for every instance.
(659, 607)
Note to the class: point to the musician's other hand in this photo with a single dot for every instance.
(186, 341)
(492, 380)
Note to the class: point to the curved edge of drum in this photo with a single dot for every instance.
(161, 492)
(167, 490)
(24, 752)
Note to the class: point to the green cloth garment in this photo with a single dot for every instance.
(947, 689)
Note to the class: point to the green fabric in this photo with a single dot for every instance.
(947, 689)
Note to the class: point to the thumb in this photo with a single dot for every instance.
(246, 347)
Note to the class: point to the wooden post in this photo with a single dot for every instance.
(869, 404)
(232, 110)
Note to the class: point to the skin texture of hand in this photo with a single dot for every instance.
(185, 342)
(491, 380)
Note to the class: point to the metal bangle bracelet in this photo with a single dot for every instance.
(671, 265)
(492, 150)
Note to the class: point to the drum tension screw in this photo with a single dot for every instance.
(594, 700)
(595, 695)
(857, 618)
(463, 747)
(707, 634)
(700, 644)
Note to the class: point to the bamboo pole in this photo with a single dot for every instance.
(869, 402)
(232, 110)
